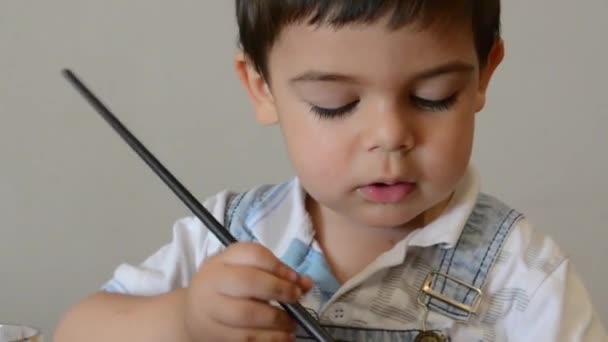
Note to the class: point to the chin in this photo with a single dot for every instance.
(391, 218)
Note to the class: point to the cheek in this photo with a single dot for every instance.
(314, 145)
(447, 151)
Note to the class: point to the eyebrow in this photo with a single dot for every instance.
(320, 76)
(448, 68)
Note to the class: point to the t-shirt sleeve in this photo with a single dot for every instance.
(173, 265)
(561, 310)
(556, 305)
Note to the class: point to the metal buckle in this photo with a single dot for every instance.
(427, 289)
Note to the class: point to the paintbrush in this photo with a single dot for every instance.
(295, 310)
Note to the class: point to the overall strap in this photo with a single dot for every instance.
(455, 288)
(241, 207)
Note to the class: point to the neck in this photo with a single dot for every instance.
(339, 236)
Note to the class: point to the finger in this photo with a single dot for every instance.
(248, 282)
(251, 314)
(305, 283)
(239, 335)
(258, 256)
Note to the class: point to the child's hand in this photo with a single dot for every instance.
(228, 299)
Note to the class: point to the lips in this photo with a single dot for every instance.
(390, 192)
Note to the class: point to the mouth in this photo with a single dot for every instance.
(387, 192)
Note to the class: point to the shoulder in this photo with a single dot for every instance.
(242, 213)
(173, 265)
(534, 286)
(531, 254)
(527, 253)
(527, 259)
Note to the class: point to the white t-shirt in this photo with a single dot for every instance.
(533, 291)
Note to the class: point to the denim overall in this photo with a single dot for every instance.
(446, 284)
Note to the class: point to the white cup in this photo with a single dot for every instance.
(19, 333)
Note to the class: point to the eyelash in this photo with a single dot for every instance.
(332, 113)
(435, 105)
(430, 105)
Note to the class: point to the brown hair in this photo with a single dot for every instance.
(261, 21)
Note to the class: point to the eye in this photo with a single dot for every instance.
(435, 105)
(332, 113)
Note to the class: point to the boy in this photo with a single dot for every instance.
(384, 225)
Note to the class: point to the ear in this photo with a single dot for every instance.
(495, 57)
(257, 89)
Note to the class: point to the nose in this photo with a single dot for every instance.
(390, 130)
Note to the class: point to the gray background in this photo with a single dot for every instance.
(75, 201)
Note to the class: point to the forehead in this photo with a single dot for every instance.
(370, 48)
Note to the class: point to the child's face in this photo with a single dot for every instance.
(378, 123)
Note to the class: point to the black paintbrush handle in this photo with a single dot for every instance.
(297, 311)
